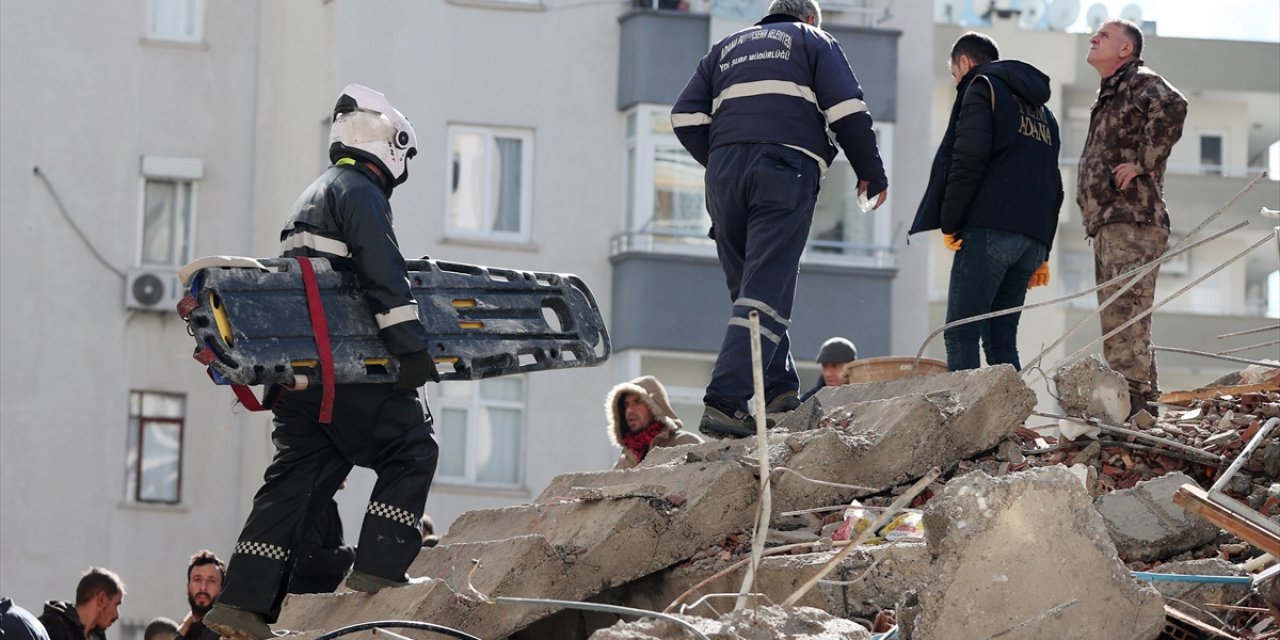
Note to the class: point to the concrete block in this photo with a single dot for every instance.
(1025, 556)
(1089, 389)
(1145, 523)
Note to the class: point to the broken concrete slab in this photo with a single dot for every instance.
(1088, 388)
(1001, 549)
(1191, 597)
(1147, 526)
(763, 623)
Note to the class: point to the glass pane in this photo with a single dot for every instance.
(459, 389)
(466, 200)
(508, 388)
(679, 203)
(838, 225)
(660, 121)
(131, 459)
(507, 180)
(451, 432)
(1211, 154)
(498, 446)
(182, 222)
(163, 405)
(161, 445)
(157, 222)
(631, 188)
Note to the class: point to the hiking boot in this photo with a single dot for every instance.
(783, 402)
(230, 622)
(718, 424)
(369, 583)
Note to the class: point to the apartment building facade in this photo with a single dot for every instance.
(165, 130)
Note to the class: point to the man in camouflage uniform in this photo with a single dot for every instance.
(1134, 124)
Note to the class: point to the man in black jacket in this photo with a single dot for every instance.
(345, 216)
(995, 191)
(97, 607)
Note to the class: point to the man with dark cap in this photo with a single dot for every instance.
(834, 355)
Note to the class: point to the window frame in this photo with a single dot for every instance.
(197, 35)
(526, 137)
(1203, 168)
(138, 439)
(472, 405)
(185, 174)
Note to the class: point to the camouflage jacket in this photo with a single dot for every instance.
(1136, 118)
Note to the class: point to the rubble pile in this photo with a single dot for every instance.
(1029, 530)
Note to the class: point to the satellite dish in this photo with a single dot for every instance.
(946, 11)
(1033, 12)
(1063, 14)
(1096, 16)
(1132, 13)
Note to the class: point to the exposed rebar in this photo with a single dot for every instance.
(1274, 327)
(1216, 356)
(606, 608)
(765, 504)
(1137, 434)
(1244, 454)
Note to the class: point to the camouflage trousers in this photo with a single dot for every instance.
(1119, 247)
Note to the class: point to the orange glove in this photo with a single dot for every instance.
(952, 241)
(1041, 277)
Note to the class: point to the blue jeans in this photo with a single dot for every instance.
(990, 272)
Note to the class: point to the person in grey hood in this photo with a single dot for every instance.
(641, 418)
(995, 191)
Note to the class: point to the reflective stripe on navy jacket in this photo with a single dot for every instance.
(784, 82)
(345, 216)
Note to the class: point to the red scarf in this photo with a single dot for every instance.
(639, 443)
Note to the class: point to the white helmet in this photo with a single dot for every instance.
(365, 125)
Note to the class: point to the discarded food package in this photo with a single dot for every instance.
(906, 526)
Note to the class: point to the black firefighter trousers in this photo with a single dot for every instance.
(374, 426)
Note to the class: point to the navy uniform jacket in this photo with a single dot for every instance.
(783, 82)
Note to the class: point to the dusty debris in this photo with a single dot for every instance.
(1146, 525)
(764, 623)
(1001, 548)
(1089, 389)
(1195, 598)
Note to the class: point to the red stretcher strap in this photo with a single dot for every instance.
(320, 328)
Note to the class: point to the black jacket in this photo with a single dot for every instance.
(345, 216)
(62, 622)
(197, 631)
(17, 623)
(997, 166)
(322, 558)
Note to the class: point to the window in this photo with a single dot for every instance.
(178, 20)
(153, 460)
(840, 228)
(480, 425)
(490, 183)
(168, 210)
(1211, 154)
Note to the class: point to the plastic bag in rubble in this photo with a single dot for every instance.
(856, 520)
(907, 526)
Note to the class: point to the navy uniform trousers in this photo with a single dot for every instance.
(761, 198)
(374, 426)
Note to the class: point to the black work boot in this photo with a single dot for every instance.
(783, 403)
(240, 624)
(718, 423)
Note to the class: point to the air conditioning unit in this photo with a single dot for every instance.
(152, 289)
(840, 5)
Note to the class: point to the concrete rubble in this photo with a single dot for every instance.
(1088, 389)
(1014, 545)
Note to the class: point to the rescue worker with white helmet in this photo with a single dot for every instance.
(345, 216)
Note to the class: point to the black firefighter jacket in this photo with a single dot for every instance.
(62, 622)
(997, 166)
(346, 216)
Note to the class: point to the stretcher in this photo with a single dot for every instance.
(253, 321)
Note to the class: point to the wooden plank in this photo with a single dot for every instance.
(1205, 393)
(1221, 513)
(1170, 612)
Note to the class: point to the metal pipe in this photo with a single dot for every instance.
(1244, 454)
(758, 536)
(1217, 356)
